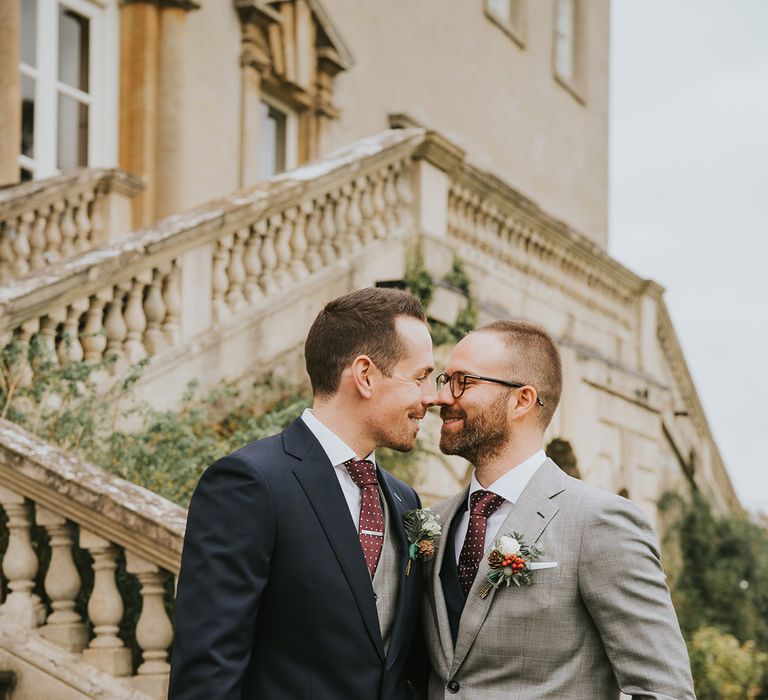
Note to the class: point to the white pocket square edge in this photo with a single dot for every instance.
(542, 565)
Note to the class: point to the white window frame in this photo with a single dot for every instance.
(514, 27)
(291, 129)
(103, 76)
(572, 83)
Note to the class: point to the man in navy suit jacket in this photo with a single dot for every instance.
(276, 598)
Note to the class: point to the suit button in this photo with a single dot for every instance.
(453, 687)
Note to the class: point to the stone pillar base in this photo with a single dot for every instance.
(72, 637)
(115, 662)
(156, 686)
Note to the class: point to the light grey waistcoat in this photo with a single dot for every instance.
(386, 578)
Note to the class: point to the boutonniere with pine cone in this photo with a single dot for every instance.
(509, 560)
(422, 528)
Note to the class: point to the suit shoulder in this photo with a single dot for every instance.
(594, 500)
(264, 456)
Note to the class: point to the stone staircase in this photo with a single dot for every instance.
(225, 292)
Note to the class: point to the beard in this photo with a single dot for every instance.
(483, 437)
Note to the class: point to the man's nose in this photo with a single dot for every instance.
(444, 396)
(429, 395)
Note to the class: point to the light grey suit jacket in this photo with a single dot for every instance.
(599, 622)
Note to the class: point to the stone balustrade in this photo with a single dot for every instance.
(59, 217)
(80, 507)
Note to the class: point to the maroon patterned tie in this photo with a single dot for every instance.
(481, 505)
(371, 529)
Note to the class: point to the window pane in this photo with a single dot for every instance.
(73, 134)
(27, 116)
(501, 8)
(25, 175)
(29, 32)
(564, 39)
(272, 146)
(73, 49)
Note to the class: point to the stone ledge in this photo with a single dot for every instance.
(118, 510)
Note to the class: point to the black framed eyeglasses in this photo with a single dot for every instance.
(458, 383)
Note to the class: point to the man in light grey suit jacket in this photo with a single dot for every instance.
(597, 617)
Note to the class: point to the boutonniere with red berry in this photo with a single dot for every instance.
(422, 527)
(509, 560)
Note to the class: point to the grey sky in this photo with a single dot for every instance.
(689, 199)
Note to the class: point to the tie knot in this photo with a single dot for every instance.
(484, 503)
(362, 471)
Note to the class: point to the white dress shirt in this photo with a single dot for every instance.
(509, 487)
(338, 452)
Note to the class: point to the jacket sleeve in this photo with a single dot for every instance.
(224, 570)
(623, 586)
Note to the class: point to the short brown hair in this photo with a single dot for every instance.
(535, 360)
(358, 323)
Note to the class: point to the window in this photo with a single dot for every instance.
(566, 48)
(507, 14)
(277, 138)
(69, 109)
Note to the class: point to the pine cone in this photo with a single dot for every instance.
(495, 559)
(427, 549)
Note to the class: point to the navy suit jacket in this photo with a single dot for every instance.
(274, 598)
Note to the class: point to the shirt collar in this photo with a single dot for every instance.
(337, 450)
(510, 485)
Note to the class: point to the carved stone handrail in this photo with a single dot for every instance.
(44, 486)
(55, 218)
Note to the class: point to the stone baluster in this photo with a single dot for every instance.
(236, 273)
(366, 210)
(298, 242)
(283, 230)
(20, 562)
(53, 238)
(268, 257)
(405, 196)
(154, 311)
(6, 250)
(21, 247)
(390, 199)
(340, 242)
(70, 347)
(313, 234)
(62, 584)
(252, 263)
(355, 235)
(116, 328)
(48, 325)
(379, 206)
(83, 222)
(135, 320)
(172, 298)
(220, 279)
(328, 230)
(68, 229)
(154, 632)
(98, 234)
(105, 609)
(94, 337)
(37, 240)
(23, 370)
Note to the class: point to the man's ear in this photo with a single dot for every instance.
(362, 370)
(526, 402)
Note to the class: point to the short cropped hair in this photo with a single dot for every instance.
(534, 360)
(359, 323)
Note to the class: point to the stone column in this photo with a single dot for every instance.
(10, 90)
(139, 28)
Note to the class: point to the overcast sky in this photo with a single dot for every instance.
(689, 199)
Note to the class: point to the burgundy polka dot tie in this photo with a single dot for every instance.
(481, 505)
(371, 529)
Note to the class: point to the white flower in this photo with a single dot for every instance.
(431, 524)
(509, 546)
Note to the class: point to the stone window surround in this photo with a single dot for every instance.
(514, 29)
(575, 85)
(103, 94)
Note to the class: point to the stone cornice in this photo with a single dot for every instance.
(179, 4)
(118, 510)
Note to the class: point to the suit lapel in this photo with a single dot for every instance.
(529, 517)
(316, 476)
(447, 512)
